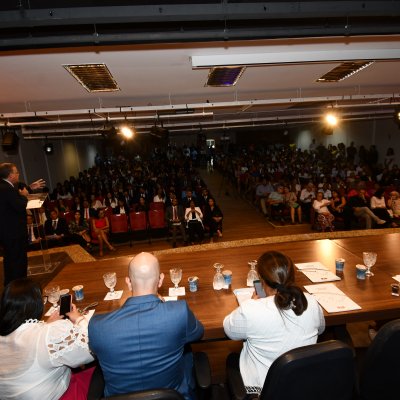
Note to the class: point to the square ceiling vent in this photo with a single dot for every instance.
(93, 77)
(344, 70)
(224, 76)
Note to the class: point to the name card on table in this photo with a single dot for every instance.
(331, 298)
(117, 294)
(243, 294)
(317, 272)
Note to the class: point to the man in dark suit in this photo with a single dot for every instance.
(56, 229)
(13, 231)
(175, 217)
(153, 356)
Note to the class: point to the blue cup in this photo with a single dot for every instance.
(339, 262)
(78, 292)
(193, 283)
(227, 278)
(361, 270)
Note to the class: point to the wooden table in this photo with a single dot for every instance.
(210, 306)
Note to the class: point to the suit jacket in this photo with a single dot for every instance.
(180, 213)
(140, 346)
(62, 227)
(12, 212)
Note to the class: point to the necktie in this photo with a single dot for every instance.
(174, 213)
(54, 225)
(86, 213)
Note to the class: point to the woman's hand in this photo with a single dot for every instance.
(55, 316)
(74, 314)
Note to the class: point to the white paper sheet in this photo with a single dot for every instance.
(396, 278)
(170, 298)
(180, 291)
(331, 298)
(317, 272)
(243, 294)
(117, 294)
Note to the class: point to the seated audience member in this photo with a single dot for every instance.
(378, 206)
(56, 229)
(43, 215)
(213, 218)
(160, 196)
(175, 217)
(263, 191)
(101, 227)
(153, 356)
(142, 205)
(34, 236)
(276, 201)
(394, 204)
(110, 200)
(290, 200)
(325, 218)
(86, 211)
(79, 231)
(121, 208)
(37, 356)
(338, 203)
(188, 198)
(203, 199)
(77, 204)
(359, 206)
(307, 196)
(95, 203)
(283, 320)
(194, 221)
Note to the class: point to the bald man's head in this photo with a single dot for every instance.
(144, 275)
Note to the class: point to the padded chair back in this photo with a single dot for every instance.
(156, 205)
(157, 219)
(138, 220)
(156, 394)
(320, 371)
(119, 223)
(380, 371)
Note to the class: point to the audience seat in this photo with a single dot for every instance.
(322, 371)
(119, 225)
(138, 223)
(157, 221)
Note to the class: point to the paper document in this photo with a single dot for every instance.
(317, 272)
(331, 298)
(117, 294)
(396, 278)
(180, 291)
(243, 294)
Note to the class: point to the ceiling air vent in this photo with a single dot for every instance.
(93, 77)
(224, 76)
(344, 70)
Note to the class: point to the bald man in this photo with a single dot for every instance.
(141, 345)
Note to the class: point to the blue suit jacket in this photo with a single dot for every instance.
(140, 346)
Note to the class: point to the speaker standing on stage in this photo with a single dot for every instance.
(13, 233)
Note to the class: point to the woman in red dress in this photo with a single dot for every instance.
(101, 227)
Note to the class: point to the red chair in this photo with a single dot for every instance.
(156, 205)
(119, 225)
(69, 216)
(138, 222)
(157, 221)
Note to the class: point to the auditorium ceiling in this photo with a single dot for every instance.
(295, 62)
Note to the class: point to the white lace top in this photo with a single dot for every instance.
(36, 357)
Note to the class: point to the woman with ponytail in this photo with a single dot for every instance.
(283, 320)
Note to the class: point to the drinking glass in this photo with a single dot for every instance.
(369, 259)
(252, 274)
(176, 276)
(110, 280)
(53, 295)
(218, 281)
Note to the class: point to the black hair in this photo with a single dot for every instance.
(277, 271)
(21, 300)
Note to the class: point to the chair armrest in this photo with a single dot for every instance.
(234, 378)
(202, 370)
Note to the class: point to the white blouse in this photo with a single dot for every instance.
(268, 333)
(36, 359)
(378, 203)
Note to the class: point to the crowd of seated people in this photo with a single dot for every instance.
(263, 174)
(118, 186)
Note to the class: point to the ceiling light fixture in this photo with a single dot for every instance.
(344, 71)
(224, 76)
(331, 119)
(126, 131)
